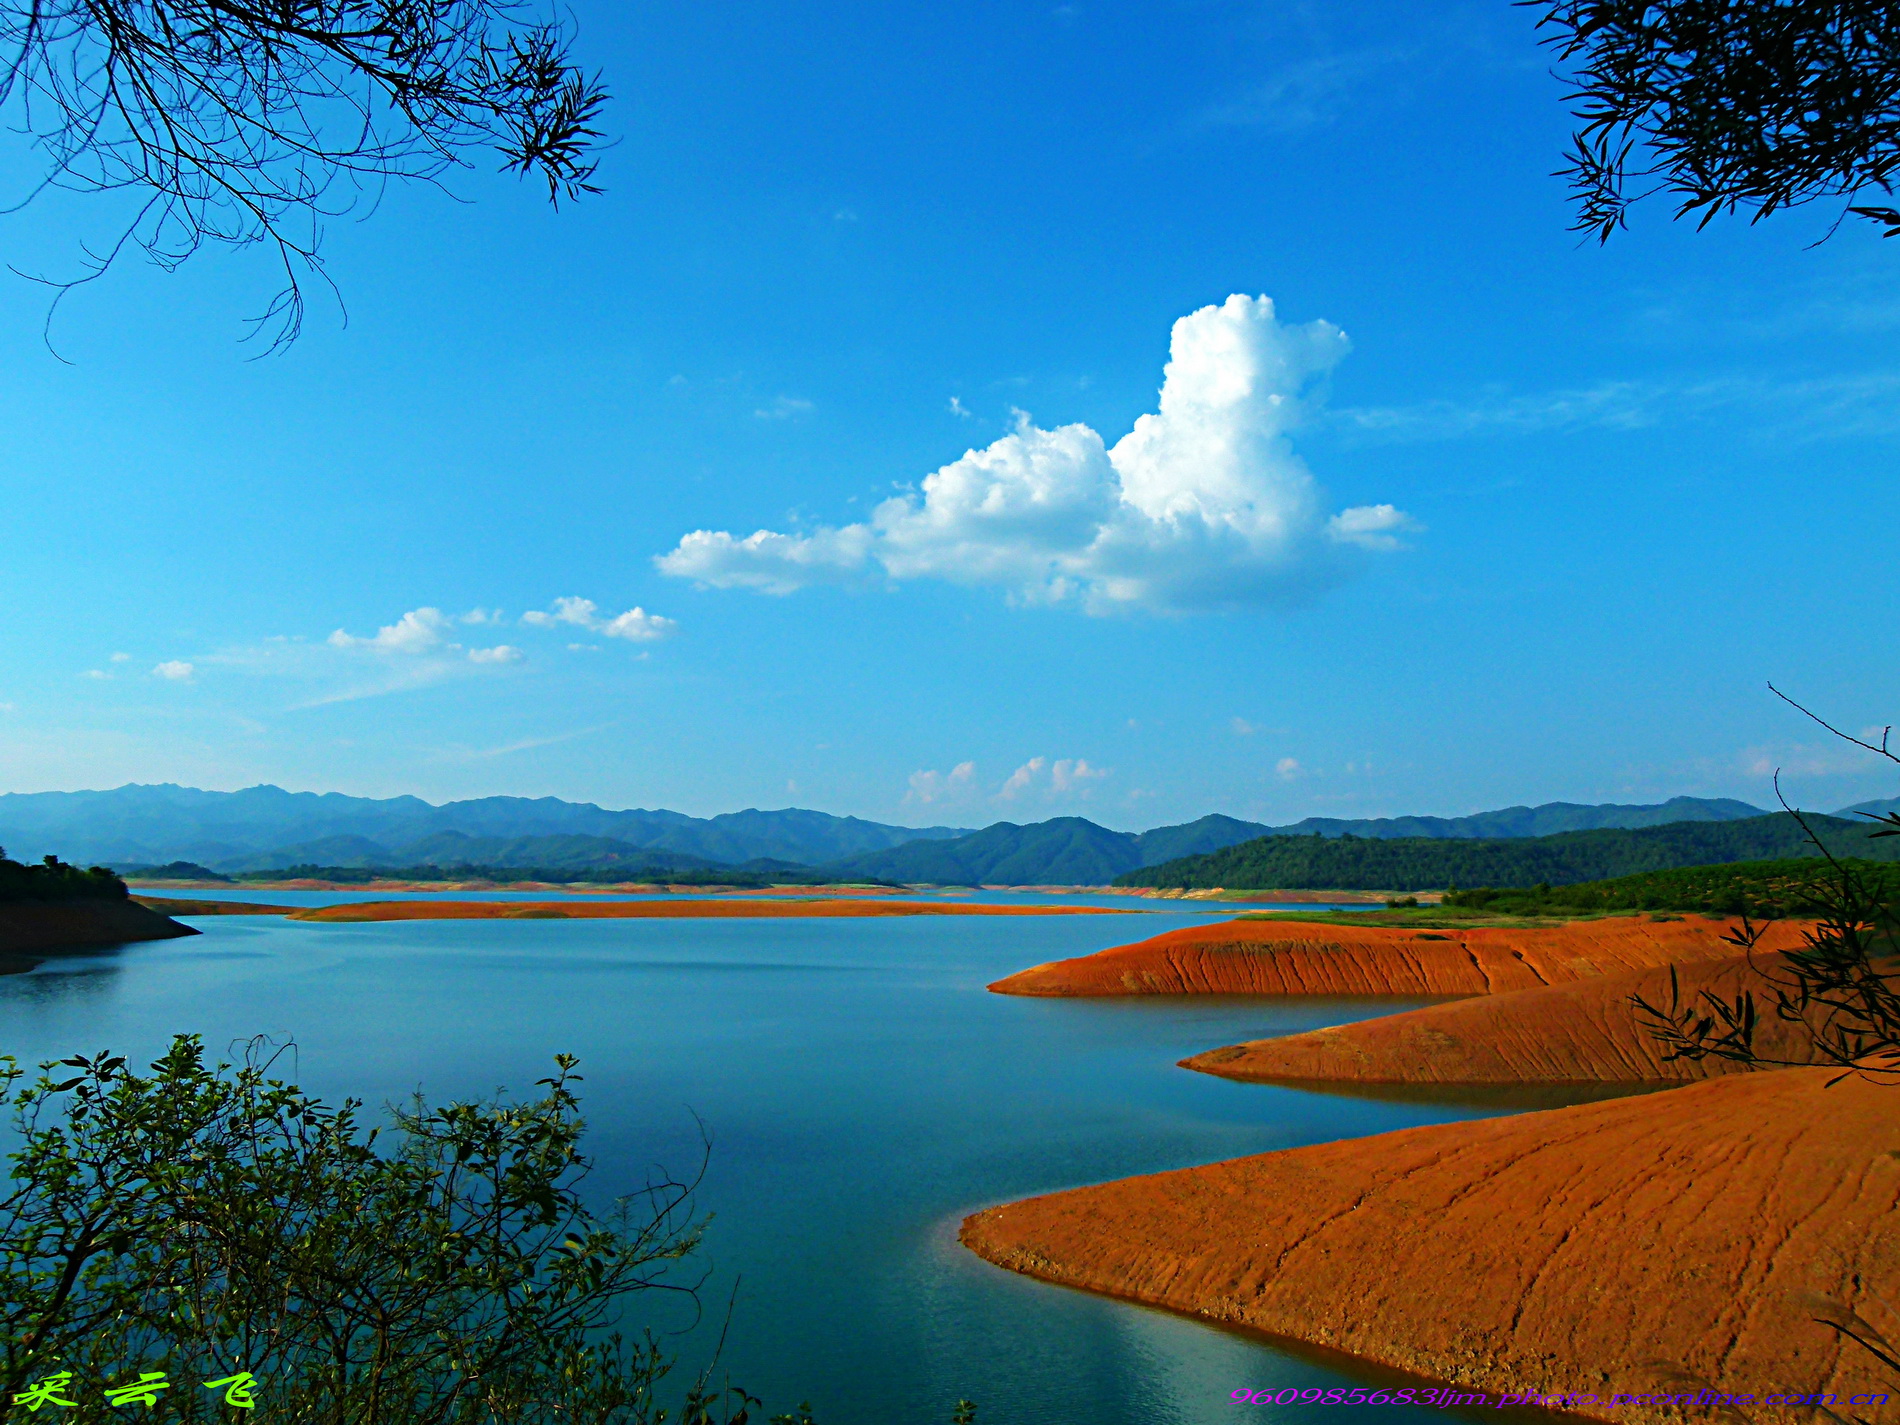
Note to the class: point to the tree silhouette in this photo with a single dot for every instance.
(249, 121)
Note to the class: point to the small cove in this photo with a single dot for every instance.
(862, 1091)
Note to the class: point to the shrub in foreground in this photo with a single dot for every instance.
(203, 1224)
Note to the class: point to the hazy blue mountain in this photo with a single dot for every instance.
(1884, 807)
(1071, 851)
(153, 824)
(452, 848)
(1563, 858)
(1066, 851)
(1546, 820)
(1193, 838)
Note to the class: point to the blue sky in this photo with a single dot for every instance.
(1469, 513)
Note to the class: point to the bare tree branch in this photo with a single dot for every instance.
(251, 122)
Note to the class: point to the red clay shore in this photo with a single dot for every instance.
(604, 888)
(1606, 1248)
(1582, 1032)
(180, 905)
(667, 909)
(1280, 957)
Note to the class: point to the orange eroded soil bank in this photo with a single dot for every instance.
(1581, 1032)
(1280, 957)
(1564, 1250)
(669, 909)
(179, 905)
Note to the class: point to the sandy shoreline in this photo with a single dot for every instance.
(1336, 957)
(663, 910)
(848, 889)
(1586, 1031)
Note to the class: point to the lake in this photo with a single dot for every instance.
(862, 1090)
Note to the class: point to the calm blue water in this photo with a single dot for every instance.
(863, 1093)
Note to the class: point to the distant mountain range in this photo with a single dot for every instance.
(1565, 858)
(1071, 851)
(266, 827)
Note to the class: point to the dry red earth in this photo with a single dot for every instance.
(1580, 1249)
(1586, 1031)
(179, 905)
(1329, 957)
(664, 909)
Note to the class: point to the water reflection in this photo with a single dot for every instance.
(863, 1092)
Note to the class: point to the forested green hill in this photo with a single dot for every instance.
(1793, 886)
(1418, 864)
(53, 880)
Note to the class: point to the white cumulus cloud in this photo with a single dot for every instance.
(173, 670)
(1021, 779)
(932, 786)
(1066, 776)
(1203, 504)
(636, 624)
(1074, 775)
(419, 631)
(423, 635)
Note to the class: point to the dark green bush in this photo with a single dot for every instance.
(54, 880)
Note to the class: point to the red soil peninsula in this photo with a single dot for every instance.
(180, 905)
(1585, 1031)
(1569, 1250)
(1334, 957)
(666, 909)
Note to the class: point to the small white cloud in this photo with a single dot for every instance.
(929, 787)
(1287, 768)
(574, 611)
(636, 625)
(173, 670)
(770, 563)
(482, 616)
(421, 630)
(98, 675)
(844, 215)
(1067, 776)
(1372, 526)
(1074, 775)
(957, 408)
(1204, 504)
(122, 658)
(1243, 728)
(784, 408)
(500, 653)
(1021, 779)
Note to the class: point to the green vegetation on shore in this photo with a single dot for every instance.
(556, 875)
(1416, 864)
(54, 880)
(1787, 887)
